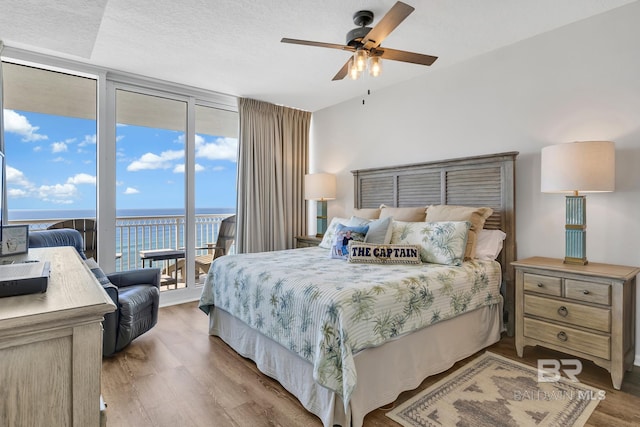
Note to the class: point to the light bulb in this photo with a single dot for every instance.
(360, 59)
(352, 71)
(375, 66)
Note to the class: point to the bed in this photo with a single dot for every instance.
(348, 338)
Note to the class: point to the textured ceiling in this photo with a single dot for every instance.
(233, 46)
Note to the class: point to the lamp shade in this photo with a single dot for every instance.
(320, 186)
(585, 167)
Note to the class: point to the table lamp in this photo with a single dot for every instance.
(320, 187)
(577, 167)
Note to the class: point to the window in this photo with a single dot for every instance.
(50, 144)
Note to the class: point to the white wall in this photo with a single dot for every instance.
(580, 82)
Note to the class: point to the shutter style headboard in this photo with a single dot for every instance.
(487, 180)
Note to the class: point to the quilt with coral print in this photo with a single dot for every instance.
(326, 310)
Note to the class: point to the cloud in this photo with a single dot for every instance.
(150, 161)
(58, 147)
(179, 168)
(220, 149)
(17, 123)
(218, 168)
(88, 140)
(17, 193)
(82, 178)
(58, 193)
(131, 190)
(17, 177)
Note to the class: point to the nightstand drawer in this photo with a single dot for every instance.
(585, 342)
(542, 284)
(567, 312)
(307, 241)
(597, 293)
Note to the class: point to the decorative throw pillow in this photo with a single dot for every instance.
(343, 235)
(327, 239)
(477, 217)
(417, 214)
(379, 231)
(440, 242)
(361, 252)
(97, 271)
(490, 244)
(367, 213)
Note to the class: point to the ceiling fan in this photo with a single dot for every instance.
(365, 42)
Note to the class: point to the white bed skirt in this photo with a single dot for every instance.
(383, 372)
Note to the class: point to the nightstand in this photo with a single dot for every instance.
(307, 241)
(584, 310)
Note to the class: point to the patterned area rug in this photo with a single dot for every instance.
(496, 391)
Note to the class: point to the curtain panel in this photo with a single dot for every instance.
(272, 161)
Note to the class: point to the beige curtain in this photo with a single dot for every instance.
(272, 162)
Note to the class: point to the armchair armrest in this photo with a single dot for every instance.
(149, 276)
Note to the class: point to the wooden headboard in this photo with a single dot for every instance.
(487, 180)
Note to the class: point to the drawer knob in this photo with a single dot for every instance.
(562, 311)
(562, 336)
(540, 285)
(586, 292)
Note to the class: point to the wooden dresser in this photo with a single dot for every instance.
(583, 310)
(51, 347)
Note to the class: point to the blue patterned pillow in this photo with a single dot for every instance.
(440, 242)
(343, 235)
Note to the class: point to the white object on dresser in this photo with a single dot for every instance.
(51, 346)
(583, 310)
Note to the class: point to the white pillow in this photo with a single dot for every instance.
(489, 244)
(327, 239)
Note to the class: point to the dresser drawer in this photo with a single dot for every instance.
(542, 284)
(597, 293)
(567, 312)
(585, 342)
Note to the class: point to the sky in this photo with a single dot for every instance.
(51, 165)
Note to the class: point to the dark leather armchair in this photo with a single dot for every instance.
(136, 293)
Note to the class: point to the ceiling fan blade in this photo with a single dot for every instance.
(403, 56)
(317, 44)
(388, 23)
(343, 71)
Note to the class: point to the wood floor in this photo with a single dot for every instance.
(178, 375)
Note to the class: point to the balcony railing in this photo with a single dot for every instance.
(136, 233)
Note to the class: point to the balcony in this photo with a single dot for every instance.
(142, 233)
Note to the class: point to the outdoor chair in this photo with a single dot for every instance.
(87, 228)
(226, 239)
(136, 293)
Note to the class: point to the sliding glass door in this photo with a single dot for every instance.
(150, 184)
(215, 166)
(175, 182)
(153, 162)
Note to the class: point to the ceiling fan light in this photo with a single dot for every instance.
(360, 59)
(352, 71)
(375, 66)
